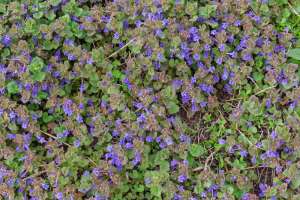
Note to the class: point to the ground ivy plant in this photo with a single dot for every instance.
(149, 99)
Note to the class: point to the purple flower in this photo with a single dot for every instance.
(12, 115)
(141, 118)
(147, 181)
(67, 107)
(243, 153)
(185, 97)
(45, 186)
(293, 105)
(230, 38)
(219, 61)
(169, 141)
(196, 57)
(237, 23)
(90, 61)
(269, 154)
(127, 82)
(268, 103)
(222, 47)
(203, 104)
(11, 136)
(77, 143)
(211, 69)
(69, 42)
(246, 196)
(79, 118)
(257, 19)
(158, 139)
(206, 47)
(162, 145)
(59, 196)
(105, 19)
(183, 138)
(206, 88)
(115, 133)
(193, 80)
(228, 88)
(41, 139)
(71, 57)
(278, 169)
(25, 124)
(225, 74)
(138, 23)
(182, 178)
(6, 40)
(148, 52)
(259, 42)
(165, 22)
(222, 141)
(129, 145)
(137, 159)
(149, 139)
(273, 135)
(279, 48)
(232, 54)
(203, 194)
(125, 24)
(105, 30)
(174, 163)
(262, 188)
(193, 30)
(194, 106)
(116, 35)
(160, 57)
(247, 57)
(213, 32)
(158, 33)
(177, 197)
(282, 78)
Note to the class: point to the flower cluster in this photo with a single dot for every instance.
(148, 100)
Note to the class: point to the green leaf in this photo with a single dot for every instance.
(36, 64)
(59, 129)
(164, 165)
(39, 76)
(42, 95)
(240, 164)
(198, 188)
(168, 93)
(54, 2)
(50, 15)
(156, 190)
(94, 79)
(113, 90)
(294, 53)
(135, 49)
(172, 107)
(296, 182)
(38, 15)
(207, 10)
(117, 74)
(98, 55)
(139, 188)
(47, 118)
(12, 87)
(31, 26)
(66, 18)
(2, 8)
(196, 150)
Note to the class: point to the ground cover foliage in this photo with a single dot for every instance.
(139, 99)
